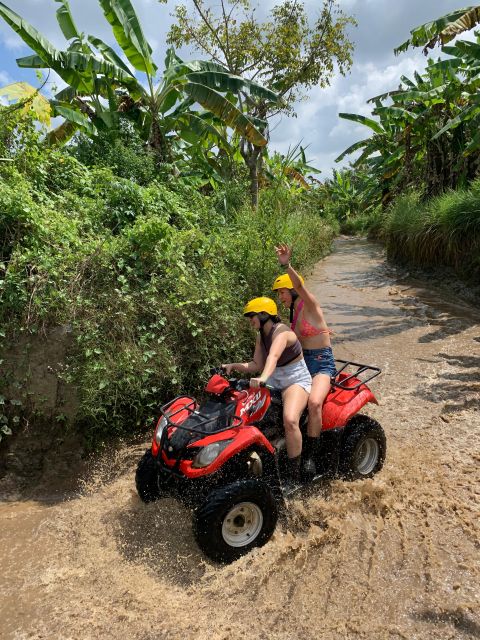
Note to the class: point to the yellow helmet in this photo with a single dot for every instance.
(284, 282)
(257, 305)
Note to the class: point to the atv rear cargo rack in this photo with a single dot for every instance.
(361, 368)
(202, 419)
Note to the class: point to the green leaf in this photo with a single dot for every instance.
(128, 33)
(226, 111)
(466, 114)
(368, 122)
(354, 147)
(76, 117)
(225, 82)
(396, 111)
(109, 54)
(29, 34)
(65, 20)
(441, 30)
(31, 62)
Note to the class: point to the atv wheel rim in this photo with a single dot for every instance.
(242, 524)
(366, 456)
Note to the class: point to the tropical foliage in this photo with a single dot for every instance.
(288, 53)
(425, 133)
(150, 278)
(102, 90)
(414, 181)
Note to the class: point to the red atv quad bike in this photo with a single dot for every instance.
(226, 457)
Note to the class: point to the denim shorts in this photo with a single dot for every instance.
(320, 361)
(295, 373)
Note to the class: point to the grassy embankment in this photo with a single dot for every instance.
(443, 231)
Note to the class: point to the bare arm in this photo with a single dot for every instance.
(284, 254)
(279, 343)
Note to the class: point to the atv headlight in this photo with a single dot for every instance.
(160, 428)
(209, 453)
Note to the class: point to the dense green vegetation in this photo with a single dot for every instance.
(139, 235)
(413, 182)
(149, 274)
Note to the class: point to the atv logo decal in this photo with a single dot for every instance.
(258, 406)
(254, 403)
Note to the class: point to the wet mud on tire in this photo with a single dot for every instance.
(393, 557)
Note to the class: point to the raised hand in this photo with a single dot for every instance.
(284, 253)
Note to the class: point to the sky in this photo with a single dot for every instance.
(382, 25)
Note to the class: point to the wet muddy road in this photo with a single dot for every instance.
(392, 557)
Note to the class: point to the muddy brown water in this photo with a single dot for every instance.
(393, 557)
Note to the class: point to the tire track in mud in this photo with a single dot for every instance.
(393, 557)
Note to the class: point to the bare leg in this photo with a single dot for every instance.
(295, 400)
(320, 389)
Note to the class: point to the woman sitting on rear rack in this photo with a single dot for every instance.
(308, 322)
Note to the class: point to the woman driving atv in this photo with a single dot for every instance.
(278, 355)
(308, 323)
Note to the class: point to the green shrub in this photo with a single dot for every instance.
(443, 231)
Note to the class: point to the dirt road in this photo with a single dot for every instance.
(395, 557)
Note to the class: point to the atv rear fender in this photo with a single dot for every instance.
(342, 404)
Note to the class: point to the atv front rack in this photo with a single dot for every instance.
(201, 419)
(361, 368)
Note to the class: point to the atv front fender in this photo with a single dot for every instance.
(242, 439)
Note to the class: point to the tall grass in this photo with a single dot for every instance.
(443, 231)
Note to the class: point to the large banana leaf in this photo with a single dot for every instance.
(354, 147)
(225, 110)
(442, 30)
(436, 95)
(65, 20)
(384, 96)
(194, 126)
(77, 118)
(29, 34)
(109, 54)
(80, 69)
(42, 47)
(466, 114)
(226, 82)
(62, 133)
(396, 112)
(22, 92)
(128, 33)
(368, 122)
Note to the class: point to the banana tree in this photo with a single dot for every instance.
(442, 30)
(101, 88)
(290, 169)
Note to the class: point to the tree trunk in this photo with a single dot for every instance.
(252, 155)
(158, 143)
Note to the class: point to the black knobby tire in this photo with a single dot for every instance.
(229, 507)
(146, 478)
(363, 449)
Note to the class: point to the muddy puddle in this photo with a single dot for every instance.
(394, 557)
